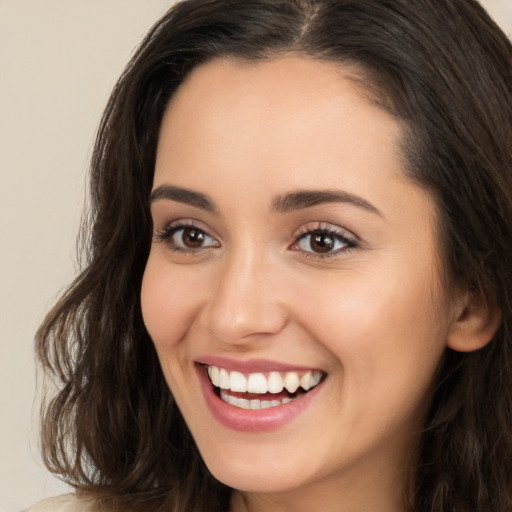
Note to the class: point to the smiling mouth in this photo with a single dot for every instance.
(262, 390)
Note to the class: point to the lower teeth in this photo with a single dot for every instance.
(244, 403)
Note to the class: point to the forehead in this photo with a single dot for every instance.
(277, 81)
(285, 113)
(302, 75)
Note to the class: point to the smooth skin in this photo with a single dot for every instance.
(361, 298)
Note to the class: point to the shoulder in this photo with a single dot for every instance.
(64, 503)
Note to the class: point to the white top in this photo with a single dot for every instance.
(64, 503)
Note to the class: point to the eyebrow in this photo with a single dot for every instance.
(281, 204)
(308, 198)
(182, 195)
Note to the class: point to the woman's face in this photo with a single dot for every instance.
(290, 248)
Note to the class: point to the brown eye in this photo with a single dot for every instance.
(187, 238)
(321, 243)
(191, 238)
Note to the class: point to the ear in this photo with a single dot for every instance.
(476, 322)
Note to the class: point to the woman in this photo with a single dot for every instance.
(298, 286)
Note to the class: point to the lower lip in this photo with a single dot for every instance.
(252, 420)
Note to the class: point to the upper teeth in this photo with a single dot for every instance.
(273, 382)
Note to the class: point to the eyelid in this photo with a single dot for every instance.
(312, 227)
(184, 222)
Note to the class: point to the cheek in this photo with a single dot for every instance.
(380, 330)
(168, 301)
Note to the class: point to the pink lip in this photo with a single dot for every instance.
(259, 420)
(252, 365)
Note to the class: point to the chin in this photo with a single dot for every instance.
(265, 473)
(257, 480)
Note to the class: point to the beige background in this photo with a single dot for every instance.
(58, 62)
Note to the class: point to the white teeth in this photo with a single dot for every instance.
(224, 379)
(239, 402)
(237, 382)
(291, 382)
(306, 381)
(213, 372)
(255, 404)
(275, 382)
(243, 403)
(257, 383)
(317, 377)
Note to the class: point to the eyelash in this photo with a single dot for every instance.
(307, 231)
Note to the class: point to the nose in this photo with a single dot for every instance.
(245, 303)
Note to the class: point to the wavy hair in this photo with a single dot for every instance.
(444, 69)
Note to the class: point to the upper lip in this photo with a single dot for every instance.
(253, 365)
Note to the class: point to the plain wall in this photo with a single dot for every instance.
(58, 63)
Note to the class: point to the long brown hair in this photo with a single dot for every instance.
(440, 66)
